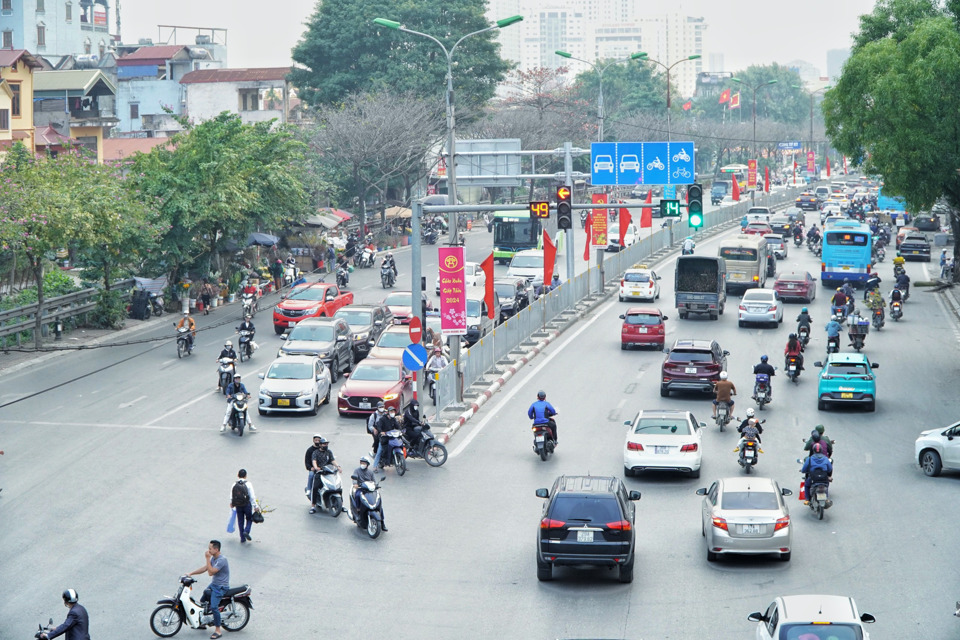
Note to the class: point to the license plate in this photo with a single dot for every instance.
(283, 402)
(661, 449)
(793, 367)
(914, 252)
(738, 276)
(538, 438)
(846, 396)
(751, 529)
(584, 536)
(748, 455)
(845, 268)
(690, 370)
(635, 292)
(291, 324)
(366, 405)
(396, 321)
(822, 497)
(643, 329)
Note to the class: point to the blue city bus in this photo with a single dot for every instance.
(847, 253)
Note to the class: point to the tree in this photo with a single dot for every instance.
(627, 87)
(896, 108)
(343, 52)
(783, 101)
(220, 180)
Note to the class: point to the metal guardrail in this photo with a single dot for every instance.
(483, 356)
(54, 309)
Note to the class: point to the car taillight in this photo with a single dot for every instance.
(826, 377)
(621, 282)
(688, 447)
(547, 523)
(622, 525)
(634, 446)
(659, 328)
(720, 523)
(773, 308)
(756, 278)
(742, 308)
(782, 523)
(823, 266)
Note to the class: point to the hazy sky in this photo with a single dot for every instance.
(261, 34)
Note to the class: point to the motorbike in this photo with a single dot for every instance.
(225, 373)
(432, 384)
(343, 277)
(763, 390)
(543, 444)
(881, 254)
(818, 249)
(245, 344)
(184, 348)
(686, 252)
(290, 274)
(877, 318)
(366, 258)
(803, 333)
(368, 515)
(167, 619)
(749, 454)
(819, 497)
(248, 304)
(238, 413)
(896, 311)
(328, 493)
(898, 270)
(47, 629)
(156, 304)
(723, 415)
(857, 331)
(386, 276)
(430, 236)
(395, 453)
(793, 368)
(833, 344)
(839, 311)
(426, 446)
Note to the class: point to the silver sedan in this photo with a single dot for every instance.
(762, 306)
(746, 516)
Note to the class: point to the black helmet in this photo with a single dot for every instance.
(815, 435)
(70, 595)
(541, 395)
(763, 358)
(792, 336)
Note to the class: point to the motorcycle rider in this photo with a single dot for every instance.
(896, 296)
(804, 319)
(875, 301)
(817, 436)
(765, 368)
(372, 421)
(903, 283)
(227, 351)
(724, 390)
(411, 420)
(873, 283)
(813, 234)
(839, 299)
(235, 387)
(848, 288)
(389, 262)
(794, 348)
(308, 463)
(749, 431)
(321, 457)
(798, 232)
(362, 474)
(817, 468)
(247, 325)
(77, 624)
(542, 412)
(189, 323)
(750, 415)
(688, 245)
(387, 422)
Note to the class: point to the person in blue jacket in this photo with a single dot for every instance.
(542, 412)
(817, 468)
(77, 624)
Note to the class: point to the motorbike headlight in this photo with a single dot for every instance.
(391, 396)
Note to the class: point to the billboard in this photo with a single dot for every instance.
(453, 292)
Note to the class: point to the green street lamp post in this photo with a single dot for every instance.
(668, 68)
(639, 55)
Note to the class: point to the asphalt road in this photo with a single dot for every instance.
(116, 477)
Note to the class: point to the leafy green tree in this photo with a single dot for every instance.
(343, 52)
(218, 180)
(632, 86)
(896, 108)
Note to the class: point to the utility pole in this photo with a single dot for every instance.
(416, 287)
(568, 180)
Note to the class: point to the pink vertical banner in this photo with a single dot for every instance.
(453, 297)
(811, 162)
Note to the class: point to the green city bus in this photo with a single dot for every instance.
(514, 231)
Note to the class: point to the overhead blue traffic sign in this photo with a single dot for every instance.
(670, 192)
(415, 357)
(793, 145)
(629, 163)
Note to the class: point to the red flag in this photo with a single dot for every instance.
(549, 258)
(487, 266)
(766, 179)
(646, 216)
(844, 165)
(736, 188)
(828, 166)
(586, 242)
(625, 220)
(687, 105)
(725, 96)
(735, 101)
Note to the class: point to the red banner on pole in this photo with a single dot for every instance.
(736, 188)
(598, 234)
(766, 179)
(828, 166)
(752, 174)
(625, 220)
(549, 258)
(725, 96)
(811, 162)
(453, 299)
(586, 242)
(487, 266)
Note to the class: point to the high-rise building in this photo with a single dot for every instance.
(835, 61)
(715, 63)
(54, 29)
(548, 30)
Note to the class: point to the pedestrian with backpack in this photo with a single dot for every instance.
(244, 500)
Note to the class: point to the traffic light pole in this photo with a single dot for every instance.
(568, 180)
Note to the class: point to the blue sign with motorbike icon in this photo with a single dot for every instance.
(629, 163)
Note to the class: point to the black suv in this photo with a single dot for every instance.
(692, 365)
(366, 323)
(514, 296)
(915, 247)
(587, 521)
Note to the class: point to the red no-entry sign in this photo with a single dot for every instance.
(416, 330)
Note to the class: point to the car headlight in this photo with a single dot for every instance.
(305, 393)
(278, 309)
(312, 310)
(360, 337)
(474, 326)
(391, 396)
(281, 352)
(323, 355)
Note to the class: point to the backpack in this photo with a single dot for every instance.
(818, 470)
(240, 496)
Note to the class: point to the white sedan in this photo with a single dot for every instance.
(938, 449)
(298, 384)
(473, 276)
(762, 306)
(666, 440)
(640, 283)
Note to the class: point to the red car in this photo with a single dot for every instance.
(796, 285)
(757, 228)
(642, 326)
(400, 305)
(374, 380)
(316, 300)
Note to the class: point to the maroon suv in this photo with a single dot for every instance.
(692, 365)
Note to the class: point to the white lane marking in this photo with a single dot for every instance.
(868, 458)
(510, 394)
(622, 402)
(166, 362)
(195, 400)
(126, 405)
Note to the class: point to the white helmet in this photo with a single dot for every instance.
(723, 375)
(751, 413)
(833, 317)
(228, 343)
